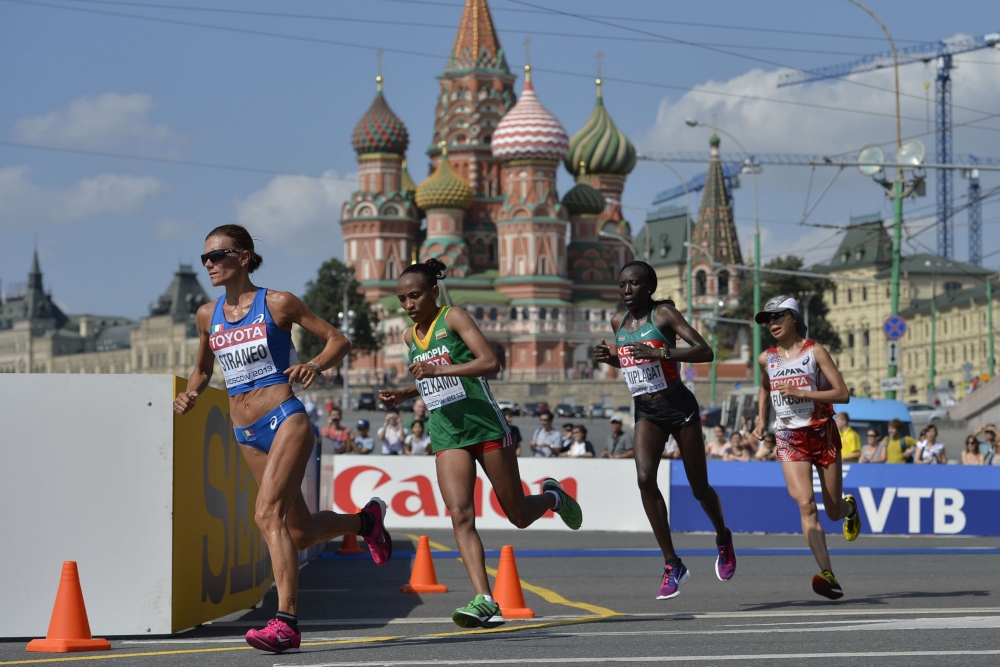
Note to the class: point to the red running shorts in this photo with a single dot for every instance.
(817, 444)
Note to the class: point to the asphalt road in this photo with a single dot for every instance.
(909, 601)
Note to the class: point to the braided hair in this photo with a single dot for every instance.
(432, 270)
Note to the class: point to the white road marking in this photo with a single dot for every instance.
(393, 621)
(395, 662)
(819, 610)
(219, 640)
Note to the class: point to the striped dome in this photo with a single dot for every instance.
(600, 145)
(444, 189)
(380, 130)
(583, 200)
(529, 131)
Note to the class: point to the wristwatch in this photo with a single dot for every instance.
(313, 363)
(664, 352)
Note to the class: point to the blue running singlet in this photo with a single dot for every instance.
(253, 352)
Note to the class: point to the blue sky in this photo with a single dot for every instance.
(110, 231)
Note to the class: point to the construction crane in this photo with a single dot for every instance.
(941, 53)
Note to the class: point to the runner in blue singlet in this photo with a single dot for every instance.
(249, 332)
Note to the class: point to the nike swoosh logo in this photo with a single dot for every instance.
(691, 416)
(645, 334)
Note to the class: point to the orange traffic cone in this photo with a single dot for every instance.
(349, 545)
(423, 579)
(507, 590)
(69, 629)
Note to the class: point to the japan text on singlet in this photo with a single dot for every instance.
(463, 411)
(644, 376)
(803, 372)
(253, 352)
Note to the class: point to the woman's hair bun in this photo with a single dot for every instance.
(436, 265)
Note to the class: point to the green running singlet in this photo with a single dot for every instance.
(644, 376)
(463, 411)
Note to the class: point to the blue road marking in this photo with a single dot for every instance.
(633, 553)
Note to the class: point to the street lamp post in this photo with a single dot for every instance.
(897, 187)
(753, 170)
(346, 320)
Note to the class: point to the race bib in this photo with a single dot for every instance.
(440, 391)
(786, 407)
(243, 353)
(643, 376)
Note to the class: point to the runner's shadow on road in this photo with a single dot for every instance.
(877, 599)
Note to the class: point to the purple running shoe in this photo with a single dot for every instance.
(725, 564)
(379, 542)
(673, 577)
(276, 637)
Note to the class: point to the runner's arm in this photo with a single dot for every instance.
(288, 309)
(838, 389)
(204, 363)
(485, 362)
(763, 398)
(669, 321)
(602, 351)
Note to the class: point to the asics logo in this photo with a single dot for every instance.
(258, 319)
(274, 422)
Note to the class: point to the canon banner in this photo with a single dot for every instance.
(892, 499)
(606, 489)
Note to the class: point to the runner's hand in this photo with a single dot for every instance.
(787, 390)
(185, 402)
(602, 353)
(642, 351)
(390, 397)
(303, 374)
(422, 370)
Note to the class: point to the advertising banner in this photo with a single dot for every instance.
(606, 489)
(220, 561)
(893, 499)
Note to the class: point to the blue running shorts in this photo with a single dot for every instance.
(261, 433)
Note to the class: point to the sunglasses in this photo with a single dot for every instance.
(218, 255)
(873, 435)
(774, 317)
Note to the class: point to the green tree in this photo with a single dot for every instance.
(325, 295)
(773, 284)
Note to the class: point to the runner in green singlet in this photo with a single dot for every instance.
(449, 358)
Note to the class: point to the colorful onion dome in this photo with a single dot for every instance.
(406, 183)
(444, 188)
(583, 200)
(529, 130)
(600, 144)
(380, 130)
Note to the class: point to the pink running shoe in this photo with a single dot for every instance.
(725, 564)
(276, 637)
(673, 577)
(379, 542)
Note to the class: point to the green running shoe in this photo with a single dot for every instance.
(852, 525)
(569, 509)
(480, 613)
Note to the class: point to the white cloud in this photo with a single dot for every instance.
(168, 229)
(300, 213)
(24, 202)
(111, 120)
(767, 126)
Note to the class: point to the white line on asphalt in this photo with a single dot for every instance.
(219, 640)
(395, 662)
(965, 622)
(822, 610)
(393, 621)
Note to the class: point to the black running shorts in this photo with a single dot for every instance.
(672, 412)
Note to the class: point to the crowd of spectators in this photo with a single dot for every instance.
(411, 438)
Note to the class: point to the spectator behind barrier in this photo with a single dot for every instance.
(766, 450)
(546, 441)
(515, 432)
(929, 450)
(873, 450)
(990, 434)
(579, 447)
(392, 434)
(898, 447)
(364, 443)
(567, 438)
(737, 451)
(670, 449)
(619, 444)
(993, 457)
(340, 436)
(972, 456)
(719, 446)
(418, 442)
(420, 413)
(849, 439)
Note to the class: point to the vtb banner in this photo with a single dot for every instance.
(893, 499)
(606, 489)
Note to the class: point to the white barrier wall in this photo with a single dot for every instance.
(87, 475)
(606, 489)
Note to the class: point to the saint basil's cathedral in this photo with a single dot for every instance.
(537, 272)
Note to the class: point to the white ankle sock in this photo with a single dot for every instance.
(489, 598)
(555, 494)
